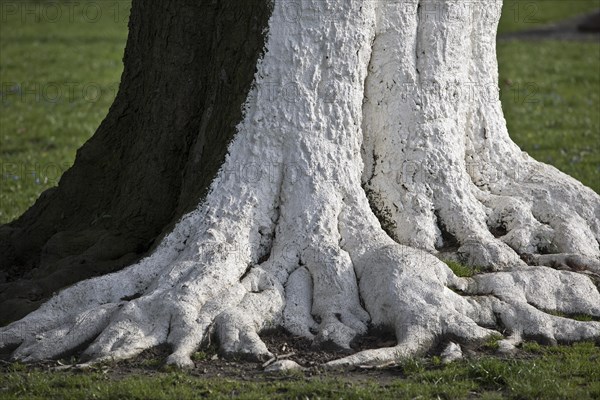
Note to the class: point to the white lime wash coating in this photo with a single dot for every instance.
(291, 234)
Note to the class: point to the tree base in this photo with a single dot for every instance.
(298, 244)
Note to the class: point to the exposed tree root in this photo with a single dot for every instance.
(439, 161)
(300, 247)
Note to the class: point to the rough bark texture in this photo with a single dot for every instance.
(188, 69)
(291, 233)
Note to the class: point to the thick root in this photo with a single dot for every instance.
(444, 175)
(335, 299)
(297, 317)
(307, 253)
(409, 291)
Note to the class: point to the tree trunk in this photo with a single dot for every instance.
(358, 158)
(188, 68)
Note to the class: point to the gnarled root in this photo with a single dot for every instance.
(425, 303)
(305, 251)
(440, 167)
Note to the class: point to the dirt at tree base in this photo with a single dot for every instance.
(209, 365)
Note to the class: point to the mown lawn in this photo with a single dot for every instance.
(520, 15)
(538, 373)
(550, 94)
(60, 67)
(59, 76)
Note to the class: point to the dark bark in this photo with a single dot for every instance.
(188, 67)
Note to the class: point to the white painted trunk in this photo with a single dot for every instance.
(345, 132)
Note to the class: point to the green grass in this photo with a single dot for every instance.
(562, 372)
(518, 15)
(492, 343)
(464, 271)
(550, 94)
(550, 90)
(577, 317)
(59, 74)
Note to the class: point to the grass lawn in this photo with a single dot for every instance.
(550, 94)
(59, 75)
(520, 15)
(60, 67)
(538, 373)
